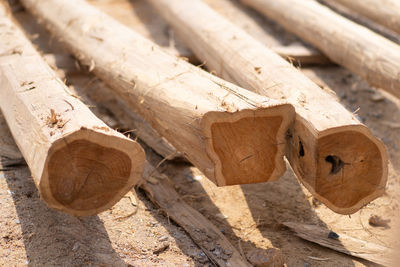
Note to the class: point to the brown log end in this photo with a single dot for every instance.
(346, 170)
(248, 146)
(89, 171)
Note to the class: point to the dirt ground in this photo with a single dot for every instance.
(250, 216)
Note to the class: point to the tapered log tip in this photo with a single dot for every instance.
(248, 146)
(89, 171)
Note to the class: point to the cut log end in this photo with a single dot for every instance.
(350, 171)
(84, 177)
(248, 146)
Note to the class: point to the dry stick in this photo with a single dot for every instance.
(161, 192)
(335, 156)
(344, 243)
(384, 12)
(233, 136)
(79, 165)
(373, 57)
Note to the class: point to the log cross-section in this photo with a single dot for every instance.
(232, 135)
(78, 163)
(334, 155)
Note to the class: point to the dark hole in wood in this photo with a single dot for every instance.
(337, 163)
(301, 149)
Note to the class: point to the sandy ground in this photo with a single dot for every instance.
(251, 216)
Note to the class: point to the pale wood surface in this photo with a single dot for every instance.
(384, 12)
(344, 244)
(334, 155)
(68, 149)
(373, 57)
(184, 104)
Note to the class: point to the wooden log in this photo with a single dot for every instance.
(344, 243)
(79, 165)
(373, 57)
(334, 155)
(384, 12)
(233, 136)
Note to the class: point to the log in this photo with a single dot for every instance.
(80, 165)
(233, 136)
(384, 12)
(343, 243)
(334, 155)
(371, 56)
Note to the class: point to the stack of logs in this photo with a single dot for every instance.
(233, 135)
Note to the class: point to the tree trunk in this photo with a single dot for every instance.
(335, 156)
(79, 165)
(233, 136)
